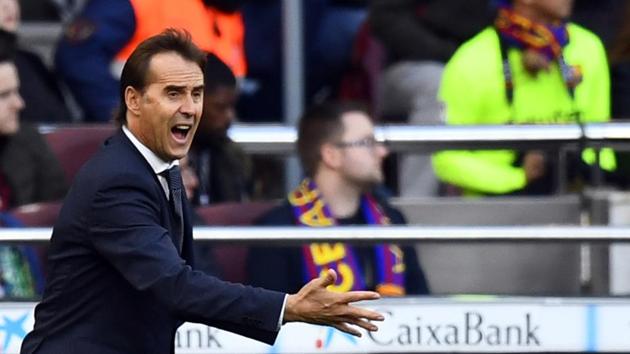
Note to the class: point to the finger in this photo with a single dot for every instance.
(327, 278)
(354, 296)
(367, 325)
(360, 313)
(345, 328)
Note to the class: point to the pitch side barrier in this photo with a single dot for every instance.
(461, 323)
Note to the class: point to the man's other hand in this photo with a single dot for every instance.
(314, 304)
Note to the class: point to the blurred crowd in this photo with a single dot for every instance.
(415, 62)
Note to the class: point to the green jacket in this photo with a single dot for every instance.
(473, 92)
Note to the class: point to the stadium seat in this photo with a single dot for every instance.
(73, 145)
(38, 214)
(234, 214)
(230, 259)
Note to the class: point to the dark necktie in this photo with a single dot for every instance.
(174, 179)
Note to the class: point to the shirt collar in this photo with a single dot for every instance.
(157, 164)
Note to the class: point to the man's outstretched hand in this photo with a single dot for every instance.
(314, 304)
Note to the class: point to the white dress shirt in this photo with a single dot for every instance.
(157, 164)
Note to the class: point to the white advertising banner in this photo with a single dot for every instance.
(415, 325)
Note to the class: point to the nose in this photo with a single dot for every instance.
(189, 106)
(230, 114)
(17, 101)
(382, 150)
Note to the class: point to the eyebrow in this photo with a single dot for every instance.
(182, 87)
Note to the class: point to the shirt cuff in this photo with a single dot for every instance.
(284, 303)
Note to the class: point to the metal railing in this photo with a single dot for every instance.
(367, 234)
(279, 139)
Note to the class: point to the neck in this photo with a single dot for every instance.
(341, 197)
(532, 14)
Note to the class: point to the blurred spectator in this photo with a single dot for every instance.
(189, 180)
(330, 27)
(419, 36)
(343, 164)
(21, 275)
(204, 259)
(99, 40)
(602, 17)
(38, 10)
(620, 79)
(40, 88)
(224, 170)
(29, 172)
(532, 67)
(67, 9)
(620, 68)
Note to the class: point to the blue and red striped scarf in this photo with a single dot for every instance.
(310, 210)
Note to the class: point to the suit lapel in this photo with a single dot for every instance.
(168, 214)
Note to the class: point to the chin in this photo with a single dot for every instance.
(10, 129)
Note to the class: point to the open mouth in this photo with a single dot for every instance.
(180, 132)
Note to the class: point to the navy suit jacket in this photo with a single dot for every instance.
(117, 283)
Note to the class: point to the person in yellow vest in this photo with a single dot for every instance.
(531, 67)
(99, 40)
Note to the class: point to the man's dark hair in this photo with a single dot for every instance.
(319, 125)
(136, 68)
(217, 74)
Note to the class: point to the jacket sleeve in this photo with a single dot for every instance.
(125, 229)
(594, 98)
(86, 51)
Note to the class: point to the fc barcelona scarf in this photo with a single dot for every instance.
(549, 40)
(310, 210)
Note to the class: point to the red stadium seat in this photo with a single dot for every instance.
(73, 145)
(38, 214)
(234, 214)
(230, 259)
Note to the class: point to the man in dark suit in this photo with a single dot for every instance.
(120, 257)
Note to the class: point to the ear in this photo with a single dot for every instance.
(331, 156)
(132, 100)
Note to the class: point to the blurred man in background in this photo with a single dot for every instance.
(223, 168)
(342, 162)
(29, 172)
(39, 88)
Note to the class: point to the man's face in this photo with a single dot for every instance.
(9, 15)
(11, 102)
(554, 10)
(361, 156)
(218, 110)
(165, 115)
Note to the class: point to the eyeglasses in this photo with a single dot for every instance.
(369, 142)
